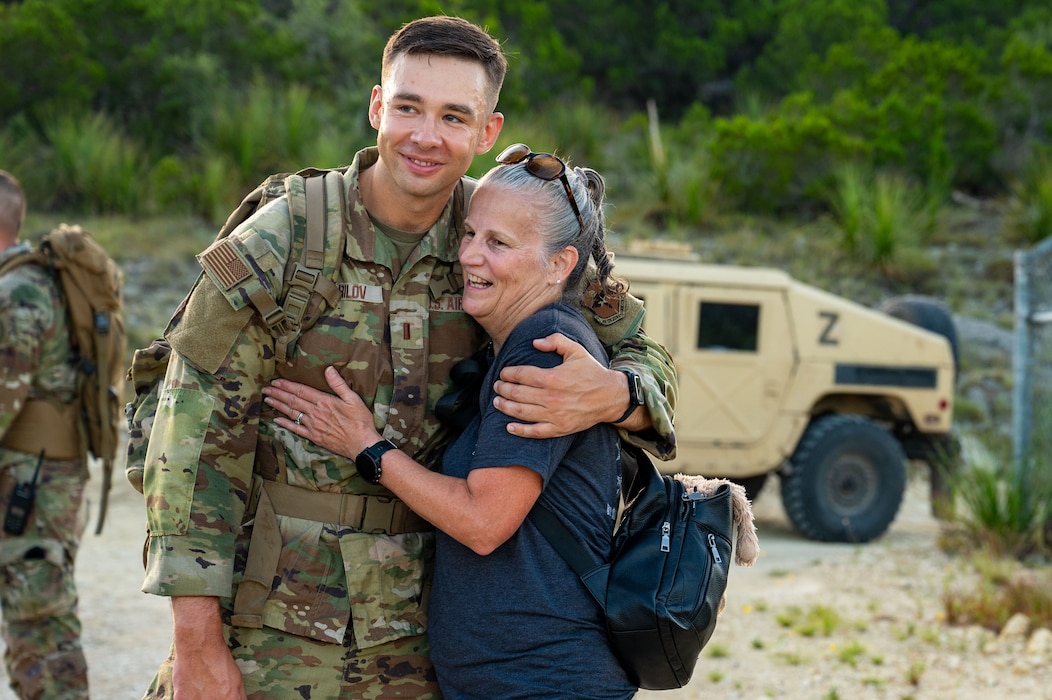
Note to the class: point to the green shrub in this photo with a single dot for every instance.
(264, 130)
(877, 214)
(899, 218)
(95, 167)
(1006, 510)
(204, 185)
(1031, 206)
(780, 162)
(1004, 589)
(850, 203)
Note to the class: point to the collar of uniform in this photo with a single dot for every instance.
(441, 241)
(17, 249)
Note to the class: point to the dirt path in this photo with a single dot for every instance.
(881, 603)
(126, 633)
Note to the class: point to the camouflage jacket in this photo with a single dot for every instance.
(34, 345)
(393, 337)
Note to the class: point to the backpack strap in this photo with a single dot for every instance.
(45, 423)
(106, 444)
(595, 574)
(319, 232)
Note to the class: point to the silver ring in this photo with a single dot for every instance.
(298, 419)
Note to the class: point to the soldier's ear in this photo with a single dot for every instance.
(376, 106)
(490, 132)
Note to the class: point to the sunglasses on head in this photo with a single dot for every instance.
(544, 166)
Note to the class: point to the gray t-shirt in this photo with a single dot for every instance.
(519, 623)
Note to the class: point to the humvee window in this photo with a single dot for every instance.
(728, 326)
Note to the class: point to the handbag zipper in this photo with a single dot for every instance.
(715, 552)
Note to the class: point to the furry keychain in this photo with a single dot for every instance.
(746, 545)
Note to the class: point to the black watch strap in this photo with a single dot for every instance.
(368, 460)
(635, 393)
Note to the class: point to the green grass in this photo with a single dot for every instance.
(166, 240)
(818, 620)
(1006, 510)
(1004, 588)
(879, 215)
(97, 169)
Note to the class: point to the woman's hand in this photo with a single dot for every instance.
(340, 423)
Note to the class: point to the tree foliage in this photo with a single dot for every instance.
(951, 93)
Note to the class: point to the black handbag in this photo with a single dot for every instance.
(662, 587)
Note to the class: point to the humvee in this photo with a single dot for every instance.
(777, 376)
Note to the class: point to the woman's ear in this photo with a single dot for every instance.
(564, 262)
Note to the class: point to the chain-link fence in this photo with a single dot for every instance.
(1032, 357)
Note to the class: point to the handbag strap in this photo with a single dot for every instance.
(561, 540)
(593, 575)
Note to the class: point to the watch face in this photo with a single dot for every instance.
(366, 466)
(368, 460)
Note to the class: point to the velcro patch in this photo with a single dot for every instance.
(604, 311)
(224, 264)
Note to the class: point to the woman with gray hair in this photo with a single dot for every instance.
(508, 618)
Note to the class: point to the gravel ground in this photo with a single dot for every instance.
(126, 633)
(881, 600)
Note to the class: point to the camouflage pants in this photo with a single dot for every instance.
(38, 594)
(286, 667)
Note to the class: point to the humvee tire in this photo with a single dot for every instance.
(942, 453)
(927, 313)
(847, 480)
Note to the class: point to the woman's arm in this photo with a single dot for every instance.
(481, 512)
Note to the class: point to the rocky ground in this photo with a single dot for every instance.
(809, 621)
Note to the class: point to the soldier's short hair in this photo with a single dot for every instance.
(449, 36)
(12, 204)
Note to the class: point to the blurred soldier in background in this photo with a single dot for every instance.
(41, 485)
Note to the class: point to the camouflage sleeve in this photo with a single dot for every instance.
(619, 325)
(197, 474)
(199, 461)
(660, 383)
(198, 470)
(26, 315)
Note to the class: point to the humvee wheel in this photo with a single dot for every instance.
(847, 480)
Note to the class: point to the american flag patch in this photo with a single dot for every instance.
(224, 265)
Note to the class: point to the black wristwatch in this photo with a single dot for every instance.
(368, 460)
(635, 393)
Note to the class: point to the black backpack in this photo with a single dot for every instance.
(663, 586)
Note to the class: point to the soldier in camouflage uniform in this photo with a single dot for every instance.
(38, 594)
(290, 575)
